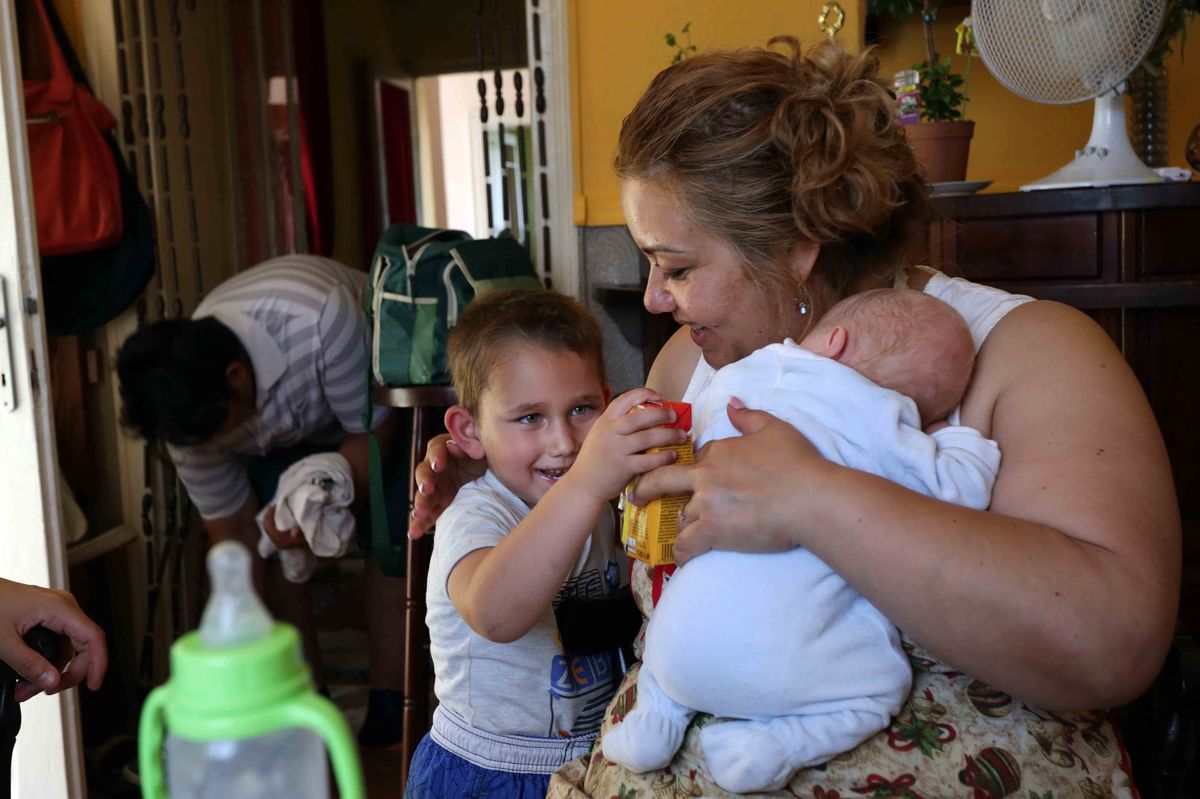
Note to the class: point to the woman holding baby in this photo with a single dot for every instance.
(764, 186)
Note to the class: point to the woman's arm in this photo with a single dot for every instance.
(1063, 595)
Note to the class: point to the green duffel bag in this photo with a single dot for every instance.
(421, 280)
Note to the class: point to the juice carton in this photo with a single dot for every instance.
(648, 533)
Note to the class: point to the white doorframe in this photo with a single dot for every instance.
(47, 761)
(550, 19)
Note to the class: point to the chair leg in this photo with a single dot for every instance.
(427, 423)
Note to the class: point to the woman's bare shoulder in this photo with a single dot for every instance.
(1081, 448)
(674, 365)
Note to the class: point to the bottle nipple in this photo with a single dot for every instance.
(234, 613)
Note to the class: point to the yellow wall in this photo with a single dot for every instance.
(618, 47)
(1018, 140)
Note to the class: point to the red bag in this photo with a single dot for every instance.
(76, 191)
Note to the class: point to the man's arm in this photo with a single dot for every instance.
(240, 526)
(356, 450)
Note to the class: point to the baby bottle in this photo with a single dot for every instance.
(242, 720)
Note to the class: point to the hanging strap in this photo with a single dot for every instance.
(62, 83)
(381, 540)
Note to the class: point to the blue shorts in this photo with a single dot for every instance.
(436, 773)
(457, 760)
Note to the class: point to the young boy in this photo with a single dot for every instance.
(874, 371)
(535, 529)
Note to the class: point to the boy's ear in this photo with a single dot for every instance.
(463, 429)
(607, 394)
(833, 344)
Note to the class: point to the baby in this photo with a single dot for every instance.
(803, 665)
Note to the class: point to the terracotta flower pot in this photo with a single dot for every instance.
(941, 149)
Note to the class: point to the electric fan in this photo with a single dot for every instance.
(1068, 51)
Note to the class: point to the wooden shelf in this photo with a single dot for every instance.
(94, 546)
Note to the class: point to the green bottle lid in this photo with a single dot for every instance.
(234, 692)
(240, 676)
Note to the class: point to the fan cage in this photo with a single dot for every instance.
(1064, 51)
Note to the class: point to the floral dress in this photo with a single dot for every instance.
(955, 737)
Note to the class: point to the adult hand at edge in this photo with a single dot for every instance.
(23, 607)
(746, 491)
(445, 469)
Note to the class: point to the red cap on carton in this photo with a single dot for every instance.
(683, 413)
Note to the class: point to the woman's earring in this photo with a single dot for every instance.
(800, 305)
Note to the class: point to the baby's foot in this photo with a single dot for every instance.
(745, 757)
(644, 741)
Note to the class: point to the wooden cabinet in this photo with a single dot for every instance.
(1129, 257)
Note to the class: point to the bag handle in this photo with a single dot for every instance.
(445, 235)
(62, 83)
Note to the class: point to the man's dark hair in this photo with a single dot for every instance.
(173, 381)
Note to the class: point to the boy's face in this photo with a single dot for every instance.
(534, 415)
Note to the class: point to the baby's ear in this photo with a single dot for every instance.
(832, 344)
(461, 425)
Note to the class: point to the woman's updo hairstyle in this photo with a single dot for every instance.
(767, 150)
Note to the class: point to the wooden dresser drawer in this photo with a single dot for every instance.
(1029, 248)
(1170, 243)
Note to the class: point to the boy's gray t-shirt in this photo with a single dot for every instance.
(530, 686)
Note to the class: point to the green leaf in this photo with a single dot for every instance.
(670, 40)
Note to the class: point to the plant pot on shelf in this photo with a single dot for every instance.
(941, 149)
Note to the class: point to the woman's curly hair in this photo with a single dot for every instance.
(767, 150)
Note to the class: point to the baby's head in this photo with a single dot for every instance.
(901, 339)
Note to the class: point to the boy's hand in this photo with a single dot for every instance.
(615, 448)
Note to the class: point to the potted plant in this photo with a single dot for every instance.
(941, 140)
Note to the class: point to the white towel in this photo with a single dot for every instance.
(314, 494)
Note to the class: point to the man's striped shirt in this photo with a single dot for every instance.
(300, 318)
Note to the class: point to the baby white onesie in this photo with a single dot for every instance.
(780, 642)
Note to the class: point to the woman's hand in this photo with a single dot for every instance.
(446, 469)
(23, 607)
(747, 491)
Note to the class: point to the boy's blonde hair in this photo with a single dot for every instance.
(496, 322)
